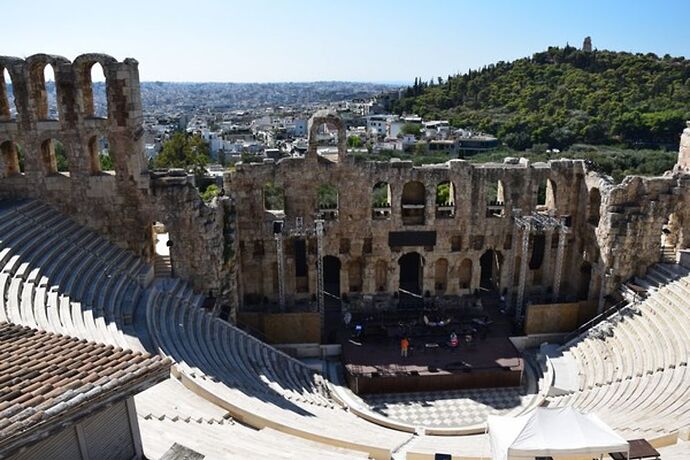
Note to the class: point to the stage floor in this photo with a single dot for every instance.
(373, 364)
(384, 357)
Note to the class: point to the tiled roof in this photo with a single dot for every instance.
(47, 378)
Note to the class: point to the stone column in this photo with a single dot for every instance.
(523, 271)
(318, 227)
(602, 283)
(511, 260)
(546, 272)
(280, 258)
(562, 235)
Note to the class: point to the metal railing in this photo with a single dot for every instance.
(603, 316)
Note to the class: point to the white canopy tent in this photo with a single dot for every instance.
(557, 432)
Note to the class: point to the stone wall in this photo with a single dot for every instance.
(228, 249)
(360, 241)
(202, 235)
(111, 202)
(121, 204)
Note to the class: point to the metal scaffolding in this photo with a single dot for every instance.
(537, 223)
(299, 231)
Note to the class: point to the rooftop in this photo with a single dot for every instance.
(48, 380)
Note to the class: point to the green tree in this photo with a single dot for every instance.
(60, 156)
(189, 152)
(210, 193)
(411, 128)
(354, 142)
(443, 194)
(106, 161)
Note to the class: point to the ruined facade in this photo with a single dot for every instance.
(396, 234)
(122, 203)
(301, 233)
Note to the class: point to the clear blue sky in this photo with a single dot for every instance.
(304, 40)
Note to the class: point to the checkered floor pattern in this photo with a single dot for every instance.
(444, 409)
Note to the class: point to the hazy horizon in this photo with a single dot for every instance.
(381, 42)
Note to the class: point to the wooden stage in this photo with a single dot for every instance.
(377, 367)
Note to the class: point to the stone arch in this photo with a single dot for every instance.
(354, 275)
(327, 201)
(54, 157)
(495, 199)
(381, 275)
(441, 275)
(84, 67)
(331, 121)
(411, 273)
(331, 276)
(412, 203)
(490, 264)
(585, 280)
(445, 199)
(5, 106)
(465, 274)
(10, 159)
(38, 88)
(99, 155)
(273, 197)
(8, 69)
(594, 206)
(381, 201)
(671, 238)
(546, 195)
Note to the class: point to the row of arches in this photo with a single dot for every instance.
(410, 274)
(413, 200)
(43, 79)
(54, 157)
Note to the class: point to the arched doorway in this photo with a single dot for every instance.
(671, 238)
(332, 313)
(331, 278)
(490, 265)
(585, 279)
(410, 280)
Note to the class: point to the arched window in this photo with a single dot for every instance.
(8, 108)
(328, 201)
(593, 205)
(546, 196)
(445, 200)
(54, 157)
(413, 203)
(274, 197)
(99, 156)
(465, 274)
(93, 88)
(381, 201)
(327, 136)
(441, 275)
(354, 273)
(381, 275)
(495, 199)
(45, 91)
(10, 158)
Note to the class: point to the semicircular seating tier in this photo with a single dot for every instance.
(59, 276)
(632, 368)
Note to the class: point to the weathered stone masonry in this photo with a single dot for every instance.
(504, 226)
(121, 204)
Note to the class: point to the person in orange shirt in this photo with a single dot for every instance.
(404, 345)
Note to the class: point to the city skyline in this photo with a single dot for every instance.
(385, 41)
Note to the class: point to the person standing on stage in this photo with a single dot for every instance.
(404, 345)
